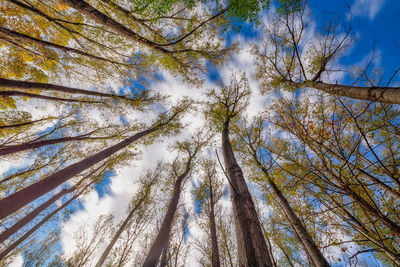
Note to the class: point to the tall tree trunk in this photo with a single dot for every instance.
(213, 232)
(161, 241)
(119, 232)
(33, 214)
(380, 94)
(105, 20)
(39, 224)
(45, 97)
(9, 149)
(252, 249)
(14, 202)
(26, 39)
(24, 85)
(315, 254)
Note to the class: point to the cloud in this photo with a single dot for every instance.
(368, 8)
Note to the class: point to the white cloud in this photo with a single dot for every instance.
(368, 8)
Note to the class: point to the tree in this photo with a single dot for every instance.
(180, 172)
(26, 195)
(140, 200)
(339, 149)
(224, 110)
(252, 137)
(207, 195)
(291, 57)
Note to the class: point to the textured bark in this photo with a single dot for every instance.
(119, 232)
(23, 85)
(252, 249)
(380, 94)
(5, 150)
(103, 19)
(32, 215)
(14, 202)
(44, 97)
(315, 254)
(161, 241)
(213, 232)
(39, 224)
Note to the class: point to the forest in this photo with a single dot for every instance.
(234, 133)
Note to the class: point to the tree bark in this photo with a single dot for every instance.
(103, 19)
(252, 249)
(119, 232)
(33, 214)
(44, 97)
(14, 202)
(38, 225)
(389, 95)
(213, 233)
(161, 241)
(23, 85)
(5, 150)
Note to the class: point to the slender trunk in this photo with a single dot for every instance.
(5, 150)
(160, 243)
(380, 94)
(316, 256)
(44, 97)
(23, 85)
(33, 214)
(39, 224)
(213, 233)
(14, 202)
(252, 249)
(19, 124)
(105, 20)
(119, 232)
(26, 38)
(385, 188)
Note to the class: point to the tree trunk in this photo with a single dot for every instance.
(161, 241)
(103, 19)
(5, 150)
(316, 256)
(252, 249)
(23, 85)
(213, 233)
(33, 214)
(119, 232)
(26, 38)
(39, 224)
(384, 187)
(14, 202)
(45, 97)
(389, 95)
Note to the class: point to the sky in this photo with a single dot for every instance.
(376, 27)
